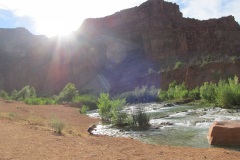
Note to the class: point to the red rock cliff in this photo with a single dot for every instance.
(160, 29)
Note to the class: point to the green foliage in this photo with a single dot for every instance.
(3, 94)
(141, 120)
(24, 93)
(141, 95)
(175, 91)
(163, 95)
(224, 94)
(178, 65)
(104, 106)
(194, 93)
(84, 109)
(40, 101)
(208, 92)
(228, 93)
(57, 125)
(110, 110)
(68, 93)
(118, 117)
(88, 100)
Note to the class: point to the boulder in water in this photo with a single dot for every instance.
(224, 133)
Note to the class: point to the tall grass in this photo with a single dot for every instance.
(141, 120)
(57, 124)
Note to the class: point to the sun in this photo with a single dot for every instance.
(56, 29)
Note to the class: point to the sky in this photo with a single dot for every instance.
(55, 17)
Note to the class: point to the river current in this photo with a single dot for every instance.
(179, 125)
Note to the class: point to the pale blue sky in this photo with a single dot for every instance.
(52, 17)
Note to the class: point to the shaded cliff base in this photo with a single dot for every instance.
(194, 75)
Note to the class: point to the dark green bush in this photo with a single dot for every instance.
(68, 93)
(4, 94)
(141, 120)
(88, 100)
(194, 93)
(208, 92)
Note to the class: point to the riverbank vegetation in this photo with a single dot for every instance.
(225, 93)
(111, 110)
(69, 95)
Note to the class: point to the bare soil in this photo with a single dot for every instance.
(26, 133)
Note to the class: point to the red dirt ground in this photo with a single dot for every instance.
(25, 134)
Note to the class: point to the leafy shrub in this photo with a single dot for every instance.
(194, 93)
(228, 93)
(110, 110)
(24, 93)
(84, 109)
(3, 94)
(68, 93)
(208, 92)
(118, 116)
(163, 95)
(40, 101)
(141, 120)
(88, 100)
(175, 91)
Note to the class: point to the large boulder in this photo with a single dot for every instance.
(224, 133)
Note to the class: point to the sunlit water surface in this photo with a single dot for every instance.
(176, 126)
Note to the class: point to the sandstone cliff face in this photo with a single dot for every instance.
(116, 53)
(160, 30)
(156, 35)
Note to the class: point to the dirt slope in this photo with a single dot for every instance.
(25, 134)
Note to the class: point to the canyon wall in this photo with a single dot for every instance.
(159, 28)
(122, 51)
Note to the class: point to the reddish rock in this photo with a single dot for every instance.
(164, 34)
(122, 51)
(224, 133)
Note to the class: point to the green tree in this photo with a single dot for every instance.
(104, 106)
(3, 94)
(208, 92)
(111, 110)
(24, 93)
(68, 93)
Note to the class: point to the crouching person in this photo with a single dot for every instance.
(91, 129)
